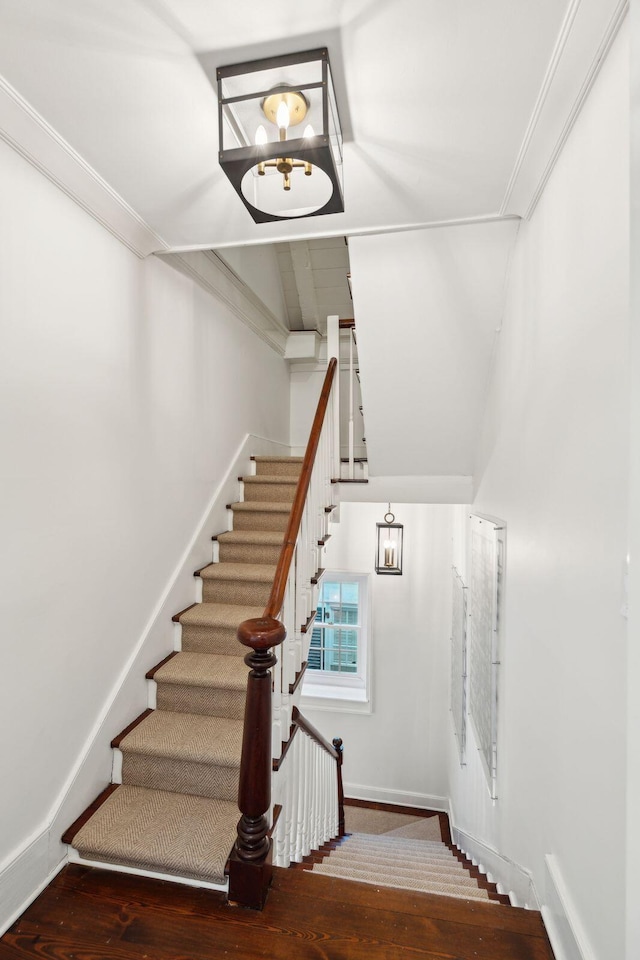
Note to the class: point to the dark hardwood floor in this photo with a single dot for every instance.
(89, 914)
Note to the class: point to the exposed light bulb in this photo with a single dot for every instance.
(308, 131)
(282, 115)
(261, 136)
(389, 553)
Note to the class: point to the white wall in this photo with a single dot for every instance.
(125, 390)
(258, 267)
(307, 378)
(427, 304)
(397, 752)
(553, 464)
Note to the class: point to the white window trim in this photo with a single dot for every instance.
(347, 692)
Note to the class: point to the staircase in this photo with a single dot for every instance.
(172, 809)
(428, 866)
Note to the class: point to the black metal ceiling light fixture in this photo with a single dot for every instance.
(279, 135)
(389, 545)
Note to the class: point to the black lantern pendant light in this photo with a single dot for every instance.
(389, 545)
(279, 135)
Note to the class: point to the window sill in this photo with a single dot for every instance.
(335, 699)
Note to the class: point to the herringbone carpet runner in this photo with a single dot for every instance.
(176, 809)
(409, 855)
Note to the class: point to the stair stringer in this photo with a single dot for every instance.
(129, 695)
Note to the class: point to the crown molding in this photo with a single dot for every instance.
(556, 56)
(27, 132)
(213, 274)
(583, 43)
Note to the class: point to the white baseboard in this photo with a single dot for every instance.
(567, 936)
(23, 876)
(424, 801)
(510, 877)
(151, 874)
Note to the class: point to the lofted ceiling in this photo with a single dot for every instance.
(453, 113)
(451, 110)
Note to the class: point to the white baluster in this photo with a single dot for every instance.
(276, 707)
(318, 838)
(302, 795)
(333, 350)
(278, 791)
(351, 379)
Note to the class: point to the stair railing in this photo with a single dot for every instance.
(312, 807)
(286, 620)
(341, 338)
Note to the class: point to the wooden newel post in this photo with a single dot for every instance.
(250, 861)
(337, 746)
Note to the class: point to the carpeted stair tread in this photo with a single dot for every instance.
(384, 853)
(404, 883)
(432, 871)
(188, 737)
(396, 843)
(165, 832)
(262, 537)
(270, 478)
(250, 546)
(289, 466)
(219, 614)
(248, 572)
(387, 857)
(261, 506)
(237, 583)
(213, 627)
(205, 670)
(362, 854)
(414, 849)
(210, 684)
(263, 488)
(261, 514)
(184, 753)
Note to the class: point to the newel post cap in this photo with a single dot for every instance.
(261, 633)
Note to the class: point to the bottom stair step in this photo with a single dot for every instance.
(163, 832)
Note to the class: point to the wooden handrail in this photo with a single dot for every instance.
(298, 722)
(276, 597)
(310, 730)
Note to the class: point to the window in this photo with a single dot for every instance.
(334, 641)
(337, 656)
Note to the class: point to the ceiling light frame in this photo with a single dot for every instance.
(247, 153)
